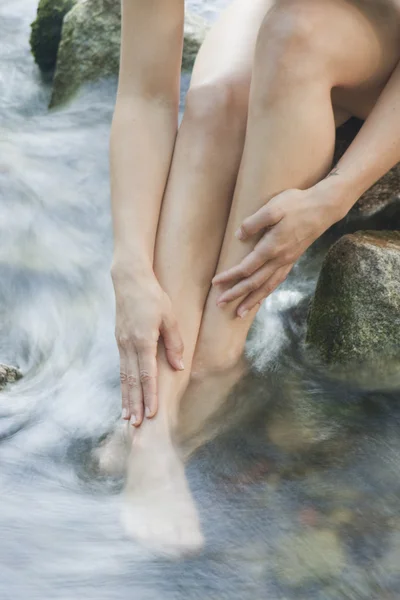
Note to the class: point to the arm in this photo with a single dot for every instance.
(144, 125)
(296, 218)
(142, 139)
(374, 151)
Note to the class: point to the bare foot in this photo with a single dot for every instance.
(159, 510)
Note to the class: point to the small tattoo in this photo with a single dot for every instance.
(334, 171)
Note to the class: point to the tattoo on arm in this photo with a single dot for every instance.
(334, 171)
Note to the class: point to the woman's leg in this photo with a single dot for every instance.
(304, 50)
(308, 52)
(192, 225)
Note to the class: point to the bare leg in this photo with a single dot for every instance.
(304, 47)
(289, 143)
(193, 221)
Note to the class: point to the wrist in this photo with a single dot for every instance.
(340, 191)
(131, 266)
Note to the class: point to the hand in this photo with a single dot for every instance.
(293, 220)
(143, 313)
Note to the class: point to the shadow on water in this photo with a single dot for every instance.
(299, 492)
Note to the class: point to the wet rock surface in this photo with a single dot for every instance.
(90, 46)
(355, 315)
(46, 31)
(8, 374)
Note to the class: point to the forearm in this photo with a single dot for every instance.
(142, 140)
(375, 150)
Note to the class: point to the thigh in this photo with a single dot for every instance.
(361, 39)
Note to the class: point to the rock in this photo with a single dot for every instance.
(195, 31)
(341, 516)
(331, 493)
(46, 31)
(354, 318)
(90, 46)
(290, 435)
(8, 374)
(313, 556)
(382, 197)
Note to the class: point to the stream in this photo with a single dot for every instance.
(298, 492)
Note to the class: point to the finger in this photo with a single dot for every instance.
(123, 375)
(172, 342)
(264, 291)
(266, 216)
(250, 284)
(148, 379)
(249, 264)
(135, 389)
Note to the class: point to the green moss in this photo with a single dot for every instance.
(90, 46)
(354, 318)
(46, 31)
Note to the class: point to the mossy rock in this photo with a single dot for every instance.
(46, 31)
(195, 31)
(90, 46)
(354, 319)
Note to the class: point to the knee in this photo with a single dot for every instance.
(292, 48)
(216, 107)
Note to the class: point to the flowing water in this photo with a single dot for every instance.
(299, 497)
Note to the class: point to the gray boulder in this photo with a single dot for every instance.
(90, 46)
(354, 318)
(46, 31)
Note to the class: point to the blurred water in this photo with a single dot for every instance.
(299, 499)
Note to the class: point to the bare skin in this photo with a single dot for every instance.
(249, 158)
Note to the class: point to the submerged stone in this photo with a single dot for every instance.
(46, 31)
(354, 318)
(314, 556)
(90, 46)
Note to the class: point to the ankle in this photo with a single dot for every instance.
(216, 366)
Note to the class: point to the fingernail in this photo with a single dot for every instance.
(133, 420)
(181, 365)
(243, 314)
(124, 413)
(239, 234)
(148, 412)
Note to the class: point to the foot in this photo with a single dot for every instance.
(159, 510)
